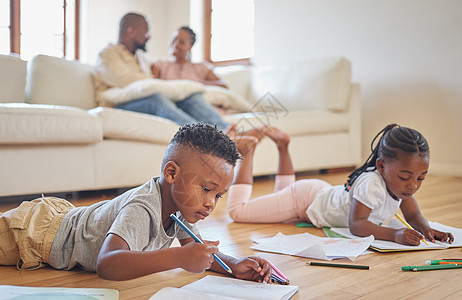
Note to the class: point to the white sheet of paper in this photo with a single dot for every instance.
(169, 293)
(23, 292)
(312, 246)
(231, 287)
(388, 245)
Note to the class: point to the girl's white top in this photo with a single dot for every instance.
(331, 206)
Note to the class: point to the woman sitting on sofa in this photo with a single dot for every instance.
(180, 66)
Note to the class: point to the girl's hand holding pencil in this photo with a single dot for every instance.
(408, 236)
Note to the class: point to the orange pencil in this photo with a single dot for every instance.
(450, 263)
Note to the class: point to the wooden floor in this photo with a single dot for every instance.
(440, 199)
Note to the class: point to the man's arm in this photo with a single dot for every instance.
(115, 71)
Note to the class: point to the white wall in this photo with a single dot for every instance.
(407, 56)
(100, 23)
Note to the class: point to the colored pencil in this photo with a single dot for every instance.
(304, 224)
(443, 261)
(277, 276)
(278, 280)
(221, 262)
(452, 259)
(313, 263)
(407, 225)
(279, 272)
(430, 267)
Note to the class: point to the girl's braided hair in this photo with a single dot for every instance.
(393, 137)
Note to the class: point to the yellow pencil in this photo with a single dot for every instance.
(407, 225)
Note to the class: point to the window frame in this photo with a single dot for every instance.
(15, 28)
(208, 41)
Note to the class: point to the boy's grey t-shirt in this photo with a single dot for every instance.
(135, 216)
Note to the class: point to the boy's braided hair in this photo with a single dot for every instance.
(394, 137)
(207, 139)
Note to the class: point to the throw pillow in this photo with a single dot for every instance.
(175, 90)
(227, 99)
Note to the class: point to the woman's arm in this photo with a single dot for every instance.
(212, 79)
(155, 71)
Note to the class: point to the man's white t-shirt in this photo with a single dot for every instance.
(331, 206)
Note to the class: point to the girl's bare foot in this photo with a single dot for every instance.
(255, 132)
(231, 131)
(246, 145)
(280, 137)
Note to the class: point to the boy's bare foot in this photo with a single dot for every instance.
(246, 145)
(280, 137)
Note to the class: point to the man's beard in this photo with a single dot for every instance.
(141, 46)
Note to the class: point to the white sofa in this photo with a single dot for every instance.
(53, 138)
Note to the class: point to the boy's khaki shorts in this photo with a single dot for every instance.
(27, 232)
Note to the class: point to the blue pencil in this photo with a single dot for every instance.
(221, 262)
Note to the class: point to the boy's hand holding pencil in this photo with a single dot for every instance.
(198, 257)
(252, 268)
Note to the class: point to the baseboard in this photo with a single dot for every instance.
(446, 169)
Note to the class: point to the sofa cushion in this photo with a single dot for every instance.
(227, 99)
(13, 79)
(173, 89)
(127, 125)
(314, 84)
(22, 123)
(296, 122)
(236, 77)
(53, 80)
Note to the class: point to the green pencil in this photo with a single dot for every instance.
(313, 263)
(430, 267)
(303, 224)
(437, 262)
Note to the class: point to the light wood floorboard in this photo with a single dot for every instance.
(440, 199)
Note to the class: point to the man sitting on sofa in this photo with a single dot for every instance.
(119, 65)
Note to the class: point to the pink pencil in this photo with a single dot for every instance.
(277, 270)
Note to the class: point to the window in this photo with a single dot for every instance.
(39, 27)
(4, 26)
(229, 31)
